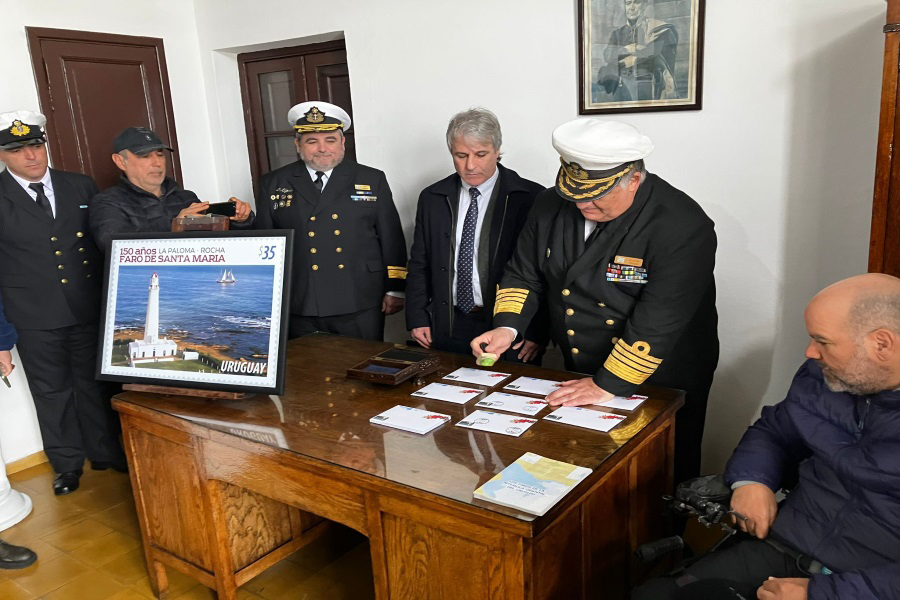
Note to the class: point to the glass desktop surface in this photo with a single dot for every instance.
(325, 416)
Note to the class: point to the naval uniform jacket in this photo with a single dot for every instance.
(349, 248)
(50, 269)
(432, 260)
(639, 303)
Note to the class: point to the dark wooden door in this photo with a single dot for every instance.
(273, 81)
(93, 85)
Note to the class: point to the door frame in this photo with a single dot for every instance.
(252, 114)
(36, 35)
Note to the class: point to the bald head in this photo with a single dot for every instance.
(854, 325)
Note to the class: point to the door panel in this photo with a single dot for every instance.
(273, 81)
(93, 85)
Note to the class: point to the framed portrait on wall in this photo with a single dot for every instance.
(203, 310)
(640, 55)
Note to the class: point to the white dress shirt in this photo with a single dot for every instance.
(486, 189)
(48, 188)
(325, 177)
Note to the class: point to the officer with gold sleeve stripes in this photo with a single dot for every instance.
(625, 262)
(349, 266)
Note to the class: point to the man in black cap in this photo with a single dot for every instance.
(350, 255)
(145, 199)
(50, 281)
(625, 262)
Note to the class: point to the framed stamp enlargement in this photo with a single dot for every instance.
(205, 310)
(640, 55)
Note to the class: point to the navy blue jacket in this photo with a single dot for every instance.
(845, 510)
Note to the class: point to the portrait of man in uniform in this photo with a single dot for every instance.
(640, 54)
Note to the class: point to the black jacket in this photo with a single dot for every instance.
(432, 258)
(349, 248)
(126, 208)
(50, 269)
(623, 331)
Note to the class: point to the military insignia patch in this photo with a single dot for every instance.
(576, 172)
(360, 186)
(627, 260)
(19, 128)
(314, 115)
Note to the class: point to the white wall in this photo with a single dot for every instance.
(171, 20)
(781, 156)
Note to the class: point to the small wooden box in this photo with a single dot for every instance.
(200, 223)
(395, 365)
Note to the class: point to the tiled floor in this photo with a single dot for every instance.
(89, 548)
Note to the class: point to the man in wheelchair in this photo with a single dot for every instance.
(837, 534)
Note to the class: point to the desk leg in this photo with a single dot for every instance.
(226, 584)
(159, 581)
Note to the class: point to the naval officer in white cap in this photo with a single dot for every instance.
(625, 262)
(349, 253)
(51, 279)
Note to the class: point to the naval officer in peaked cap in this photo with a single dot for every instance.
(625, 262)
(50, 281)
(349, 251)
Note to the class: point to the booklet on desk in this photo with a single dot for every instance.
(532, 484)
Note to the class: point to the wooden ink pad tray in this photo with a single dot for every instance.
(395, 365)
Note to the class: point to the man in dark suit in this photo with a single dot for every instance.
(467, 226)
(349, 265)
(50, 282)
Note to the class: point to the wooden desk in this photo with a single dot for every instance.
(225, 489)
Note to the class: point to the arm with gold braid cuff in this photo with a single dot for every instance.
(390, 236)
(680, 273)
(520, 290)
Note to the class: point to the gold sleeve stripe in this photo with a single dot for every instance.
(624, 371)
(518, 290)
(625, 360)
(513, 297)
(397, 272)
(639, 351)
(508, 307)
(632, 362)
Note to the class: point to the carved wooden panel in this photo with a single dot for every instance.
(166, 470)
(256, 524)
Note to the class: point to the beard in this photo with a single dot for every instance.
(859, 377)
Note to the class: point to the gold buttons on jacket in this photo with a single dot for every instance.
(610, 322)
(315, 267)
(312, 250)
(337, 232)
(79, 234)
(58, 253)
(338, 249)
(601, 305)
(85, 262)
(312, 234)
(312, 218)
(614, 340)
(64, 281)
(570, 332)
(334, 216)
(60, 267)
(340, 266)
(574, 350)
(566, 292)
(54, 238)
(570, 312)
(81, 249)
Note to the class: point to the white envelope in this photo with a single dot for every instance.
(447, 393)
(513, 403)
(415, 420)
(623, 403)
(597, 420)
(530, 385)
(496, 423)
(477, 376)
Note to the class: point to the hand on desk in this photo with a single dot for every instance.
(422, 335)
(578, 392)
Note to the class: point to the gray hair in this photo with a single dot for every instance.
(638, 168)
(476, 124)
(875, 311)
